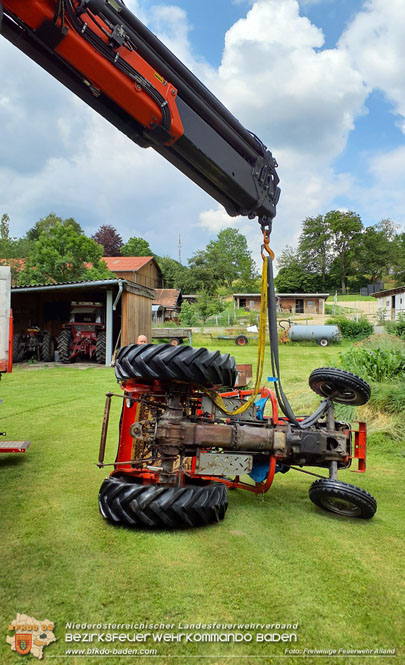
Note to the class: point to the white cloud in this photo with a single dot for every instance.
(302, 100)
(375, 42)
(280, 85)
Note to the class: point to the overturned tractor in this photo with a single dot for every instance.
(179, 449)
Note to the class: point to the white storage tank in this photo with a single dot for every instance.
(323, 335)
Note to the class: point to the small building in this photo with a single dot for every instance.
(301, 303)
(247, 301)
(391, 302)
(143, 270)
(166, 305)
(287, 303)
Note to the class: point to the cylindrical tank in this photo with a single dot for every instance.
(324, 335)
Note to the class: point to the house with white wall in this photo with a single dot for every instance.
(391, 302)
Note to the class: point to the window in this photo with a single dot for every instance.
(242, 302)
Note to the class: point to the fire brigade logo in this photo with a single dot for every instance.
(31, 635)
(23, 643)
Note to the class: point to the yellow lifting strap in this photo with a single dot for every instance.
(215, 397)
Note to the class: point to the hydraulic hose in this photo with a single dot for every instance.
(275, 364)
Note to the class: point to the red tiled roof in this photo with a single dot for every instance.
(14, 263)
(126, 263)
(167, 297)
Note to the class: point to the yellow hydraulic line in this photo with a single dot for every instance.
(215, 397)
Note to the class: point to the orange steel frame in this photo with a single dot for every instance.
(130, 413)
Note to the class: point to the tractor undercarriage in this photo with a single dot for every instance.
(178, 447)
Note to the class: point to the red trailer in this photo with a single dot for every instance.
(6, 349)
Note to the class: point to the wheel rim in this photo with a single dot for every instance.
(323, 342)
(241, 341)
(344, 394)
(341, 506)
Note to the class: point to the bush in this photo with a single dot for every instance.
(396, 327)
(352, 329)
(375, 364)
(188, 314)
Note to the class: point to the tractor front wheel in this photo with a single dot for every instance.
(124, 500)
(63, 345)
(339, 386)
(342, 498)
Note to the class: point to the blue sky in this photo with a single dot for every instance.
(321, 82)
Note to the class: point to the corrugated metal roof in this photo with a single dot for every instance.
(41, 287)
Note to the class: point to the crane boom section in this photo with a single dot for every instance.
(105, 55)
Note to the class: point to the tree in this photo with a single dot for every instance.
(46, 223)
(175, 275)
(399, 260)
(345, 230)
(108, 237)
(61, 256)
(12, 248)
(314, 246)
(136, 247)
(223, 261)
(207, 306)
(293, 277)
(188, 314)
(377, 249)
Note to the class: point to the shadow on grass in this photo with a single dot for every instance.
(11, 460)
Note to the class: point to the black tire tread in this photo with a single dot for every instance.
(63, 345)
(124, 501)
(18, 352)
(46, 350)
(343, 380)
(165, 362)
(101, 347)
(328, 488)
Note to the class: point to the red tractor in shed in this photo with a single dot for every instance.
(84, 335)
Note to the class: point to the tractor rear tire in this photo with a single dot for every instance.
(101, 347)
(124, 500)
(339, 386)
(18, 352)
(63, 345)
(47, 349)
(164, 362)
(342, 498)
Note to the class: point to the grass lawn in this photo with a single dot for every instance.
(276, 558)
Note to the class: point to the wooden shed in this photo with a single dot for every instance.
(127, 307)
(143, 270)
